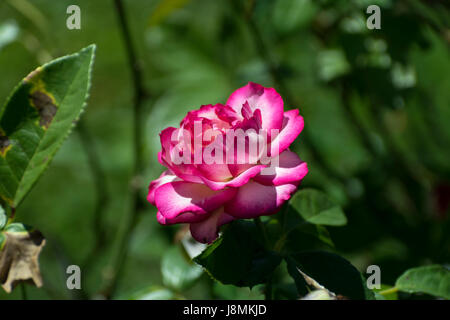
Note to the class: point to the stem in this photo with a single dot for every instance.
(135, 183)
(99, 178)
(23, 291)
(139, 91)
(13, 214)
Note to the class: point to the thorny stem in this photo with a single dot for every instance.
(136, 205)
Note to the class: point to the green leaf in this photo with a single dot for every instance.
(307, 237)
(230, 292)
(329, 270)
(291, 234)
(309, 234)
(315, 207)
(179, 273)
(386, 292)
(263, 264)
(380, 296)
(238, 257)
(37, 118)
(3, 218)
(434, 280)
(17, 227)
(153, 293)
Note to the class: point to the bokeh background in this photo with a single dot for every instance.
(376, 105)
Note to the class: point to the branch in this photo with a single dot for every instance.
(102, 197)
(135, 183)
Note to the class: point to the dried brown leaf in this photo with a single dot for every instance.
(19, 259)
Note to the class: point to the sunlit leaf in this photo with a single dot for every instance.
(315, 207)
(434, 280)
(386, 292)
(38, 117)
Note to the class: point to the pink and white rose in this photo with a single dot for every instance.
(213, 177)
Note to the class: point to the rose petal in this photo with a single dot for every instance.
(292, 126)
(238, 181)
(186, 217)
(175, 198)
(185, 171)
(244, 144)
(216, 116)
(254, 200)
(290, 169)
(215, 172)
(213, 162)
(258, 97)
(166, 176)
(227, 114)
(207, 230)
(206, 111)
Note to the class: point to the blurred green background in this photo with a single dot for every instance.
(376, 105)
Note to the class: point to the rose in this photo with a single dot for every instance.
(209, 194)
